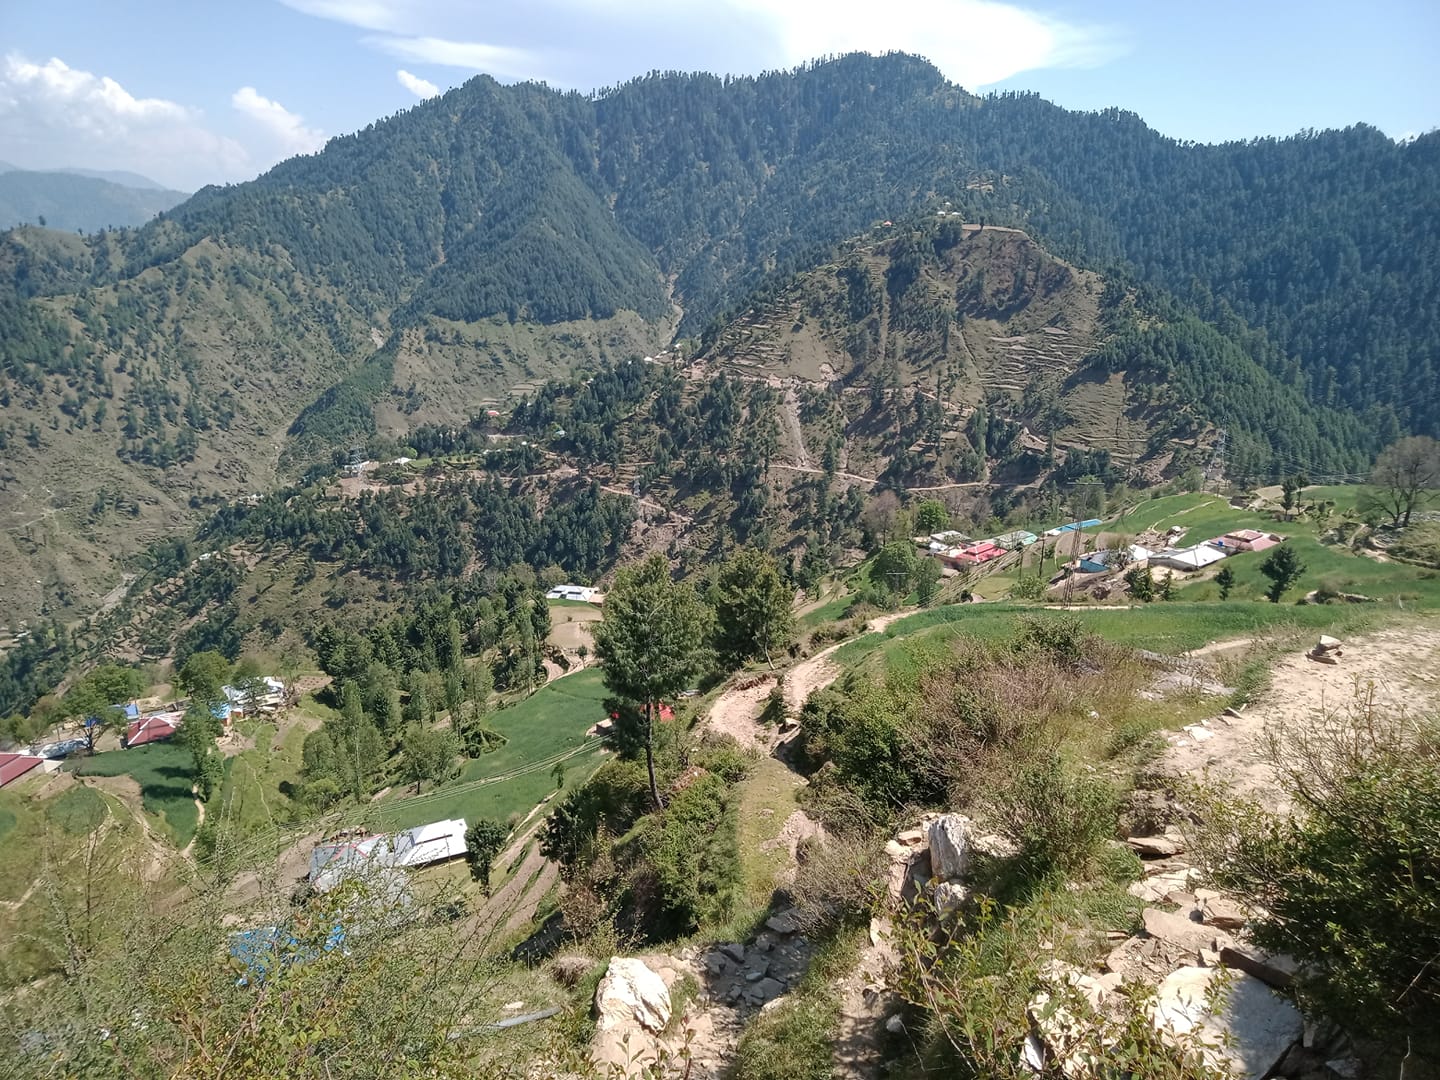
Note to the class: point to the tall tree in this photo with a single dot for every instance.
(752, 608)
(428, 754)
(651, 643)
(931, 516)
(203, 675)
(94, 699)
(1405, 475)
(1283, 567)
(483, 841)
(895, 570)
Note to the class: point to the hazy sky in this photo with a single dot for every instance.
(191, 92)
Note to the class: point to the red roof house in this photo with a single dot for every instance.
(14, 766)
(151, 728)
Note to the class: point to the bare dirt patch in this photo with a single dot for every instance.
(1401, 665)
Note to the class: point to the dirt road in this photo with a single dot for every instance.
(737, 711)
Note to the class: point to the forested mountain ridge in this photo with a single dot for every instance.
(476, 239)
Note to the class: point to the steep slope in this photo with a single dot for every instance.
(459, 252)
(953, 353)
(66, 201)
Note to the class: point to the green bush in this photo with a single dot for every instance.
(1351, 882)
(1057, 815)
(688, 855)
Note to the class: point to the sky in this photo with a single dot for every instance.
(216, 91)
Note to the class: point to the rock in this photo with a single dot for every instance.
(1155, 887)
(631, 1004)
(631, 994)
(895, 1024)
(759, 967)
(1032, 1054)
(950, 898)
(512, 1006)
(996, 847)
(911, 838)
(1224, 912)
(1155, 847)
(735, 951)
(784, 922)
(1346, 1068)
(764, 943)
(1251, 1029)
(764, 990)
(1178, 930)
(715, 963)
(754, 976)
(896, 850)
(950, 846)
(1276, 969)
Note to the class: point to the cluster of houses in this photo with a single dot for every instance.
(1187, 560)
(375, 856)
(257, 698)
(959, 552)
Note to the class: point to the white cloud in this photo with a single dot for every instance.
(472, 55)
(421, 88)
(286, 128)
(53, 115)
(974, 42)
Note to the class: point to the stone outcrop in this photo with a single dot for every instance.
(1250, 1028)
(632, 1004)
(950, 845)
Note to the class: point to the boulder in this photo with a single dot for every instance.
(631, 995)
(632, 1004)
(950, 897)
(783, 922)
(764, 990)
(1180, 931)
(1250, 1030)
(1274, 969)
(1156, 847)
(950, 846)
(911, 837)
(1155, 887)
(1224, 912)
(735, 951)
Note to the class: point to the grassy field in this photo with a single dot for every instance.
(1206, 516)
(548, 723)
(165, 775)
(252, 795)
(1161, 627)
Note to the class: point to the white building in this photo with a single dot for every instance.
(1188, 559)
(583, 593)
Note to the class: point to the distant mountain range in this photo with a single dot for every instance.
(83, 199)
(453, 257)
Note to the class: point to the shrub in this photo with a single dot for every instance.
(1351, 881)
(1063, 639)
(1028, 588)
(1058, 816)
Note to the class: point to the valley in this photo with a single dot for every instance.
(807, 575)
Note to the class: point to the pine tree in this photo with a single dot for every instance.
(651, 643)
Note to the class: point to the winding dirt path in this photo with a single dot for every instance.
(737, 711)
